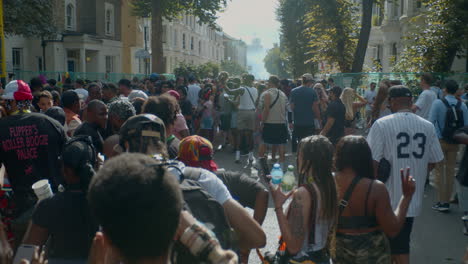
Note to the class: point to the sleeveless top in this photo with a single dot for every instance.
(320, 227)
(356, 222)
(277, 114)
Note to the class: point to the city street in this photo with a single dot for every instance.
(437, 238)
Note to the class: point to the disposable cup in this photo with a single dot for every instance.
(42, 189)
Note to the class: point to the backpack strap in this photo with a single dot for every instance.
(250, 94)
(446, 103)
(347, 195)
(276, 100)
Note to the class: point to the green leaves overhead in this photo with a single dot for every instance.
(204, 10)
(294, 43)
(436, 37)
(29, 18)
(332, 29)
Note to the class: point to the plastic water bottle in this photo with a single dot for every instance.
(289, 180)
(276, 175)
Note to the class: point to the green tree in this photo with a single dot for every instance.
(202, 71)
(275, 62)
(332, 27)
(204, 10)
(291, 15)
(438, 35)
(233, 68)
(29, 18)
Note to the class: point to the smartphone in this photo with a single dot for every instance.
(24, 252)
(265, 169)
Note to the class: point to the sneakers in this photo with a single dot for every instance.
(441, 207)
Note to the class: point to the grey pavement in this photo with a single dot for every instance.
(437, 238)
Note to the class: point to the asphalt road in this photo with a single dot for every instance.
(437, 238)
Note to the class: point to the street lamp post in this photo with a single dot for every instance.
(145, 27)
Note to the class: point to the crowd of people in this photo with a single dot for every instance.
(134, 178)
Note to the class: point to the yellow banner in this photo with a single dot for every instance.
(3, 72)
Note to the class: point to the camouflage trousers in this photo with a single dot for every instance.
(368, 248)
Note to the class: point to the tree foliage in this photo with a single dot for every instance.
(233, 68)
(291, 15)
(202, 71)
(332, 29)
(438, 35)
(275, 62)
(29, 18)
(204, 10)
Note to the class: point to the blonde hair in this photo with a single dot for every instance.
(347, 97)
(322, 95)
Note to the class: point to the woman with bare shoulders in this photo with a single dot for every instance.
(307, 229)
(365, 217)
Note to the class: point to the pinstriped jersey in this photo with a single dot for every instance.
(405, 140)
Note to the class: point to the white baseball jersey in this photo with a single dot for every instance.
(405, 140)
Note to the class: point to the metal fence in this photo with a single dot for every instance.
(92, 76)
(411, 79)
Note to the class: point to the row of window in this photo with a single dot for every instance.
(109, 17)
(17, 61)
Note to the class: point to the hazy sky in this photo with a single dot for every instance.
(247, 19)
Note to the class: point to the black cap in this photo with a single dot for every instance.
(399, 91)
(145, 125)
(57, 113)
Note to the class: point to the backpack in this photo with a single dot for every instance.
(206, 210)
(453, 121)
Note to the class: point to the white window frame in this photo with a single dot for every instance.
(72, 24)
(109, 19)
(110, 63)
(17, 59)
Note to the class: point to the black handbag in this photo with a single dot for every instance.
(462, 175)
(383, 171)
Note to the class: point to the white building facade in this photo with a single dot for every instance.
(389, 27)
(85, 42)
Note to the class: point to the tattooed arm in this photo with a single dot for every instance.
(294, 227)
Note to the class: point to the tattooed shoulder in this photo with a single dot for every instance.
(296, 217)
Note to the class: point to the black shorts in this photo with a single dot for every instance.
(275, 134)
(225, 121)
(400, 245)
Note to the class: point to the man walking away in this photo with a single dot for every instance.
(448, 115)
(246, 114)
(273, 103)
(193, 91)
(334, 127)
(404, 140)
(306, 113)
(423, 105)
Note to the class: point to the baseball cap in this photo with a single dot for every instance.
(308, 77)
(197, 151)
(137, 94)
(17, 90)
(144, 125)
(174, 93)
(154, 77)
(57, 113)
(399, 91)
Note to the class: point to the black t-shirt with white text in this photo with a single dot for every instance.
(31, 144)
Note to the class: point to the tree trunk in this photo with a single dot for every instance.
(366, 24)
(157, 53)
